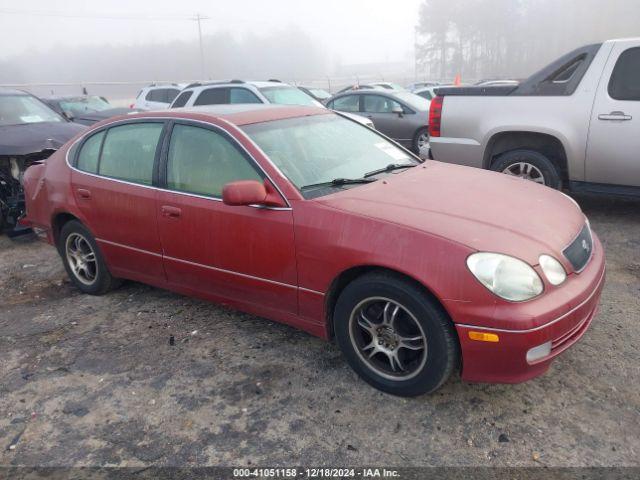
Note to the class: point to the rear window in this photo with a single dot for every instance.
(182, 99)
(212, 96)
(129, 152)
(88, 157)
(625, 78)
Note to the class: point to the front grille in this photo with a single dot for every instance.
(579, 252)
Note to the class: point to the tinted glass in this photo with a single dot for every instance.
(170, 94)
(425, 94)
(625, 79)
(129, 152)
(350, 103)
(153, 96)
(379, 104)
(242, 95)
(212, 96)
(320, 148)
(182, 99)
(202, 161)
(88, 157)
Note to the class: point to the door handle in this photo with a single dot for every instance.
(84, 193)
(172, 212)
(619, 116)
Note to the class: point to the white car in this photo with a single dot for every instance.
(157, 96)
(241, 92)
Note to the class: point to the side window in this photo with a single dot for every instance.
(625, 78)
(242, 95)
(151, 96)
(212, 96)
(202, 161)
(88, 157)
(349, 103)
(182, 99)
(379, 104)
(171, 94)
(129, 152)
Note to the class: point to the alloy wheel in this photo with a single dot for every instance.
(388, 338)
(525, 170)
(81, 258)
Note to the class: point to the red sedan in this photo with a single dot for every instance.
(305, 217)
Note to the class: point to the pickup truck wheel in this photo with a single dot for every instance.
(83, 261)
(530, 165)
(394, 336)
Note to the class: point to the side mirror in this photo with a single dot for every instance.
(251, 192)
(397, 109)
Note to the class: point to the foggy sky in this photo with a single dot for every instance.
(348, 31)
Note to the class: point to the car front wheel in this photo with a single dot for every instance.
(83, 261)
(395, 336)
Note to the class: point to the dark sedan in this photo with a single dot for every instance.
(400, 115)
(85, 109)
(30, 131)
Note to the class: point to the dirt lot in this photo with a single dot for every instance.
(94, 381)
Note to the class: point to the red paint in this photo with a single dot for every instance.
(280, 263)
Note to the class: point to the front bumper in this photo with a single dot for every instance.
(505, 360)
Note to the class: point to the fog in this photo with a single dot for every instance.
(330, 43)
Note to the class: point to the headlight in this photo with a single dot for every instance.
(507, 277)
(553, 270)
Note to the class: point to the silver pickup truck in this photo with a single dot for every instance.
(574, 124)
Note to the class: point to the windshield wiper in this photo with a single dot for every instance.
(336, 182)
(389, 168)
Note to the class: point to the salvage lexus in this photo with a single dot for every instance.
(305, 217)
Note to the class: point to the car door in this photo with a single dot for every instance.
(613, 149)
(242, 254)
(112, 182)
(380, 109)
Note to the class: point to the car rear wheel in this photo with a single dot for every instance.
(83, 261)
(529, 165)
(395, 336)
(421, 140)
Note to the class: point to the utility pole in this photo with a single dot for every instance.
(198, 18)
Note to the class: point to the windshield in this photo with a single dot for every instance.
(320, 148)
(319, 93)
(24, 109)
(414, 101)
(81, 105)
(288, 96)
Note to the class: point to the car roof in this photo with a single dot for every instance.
(66, 97)
(239, 114)
(12, 91)
(239, 83)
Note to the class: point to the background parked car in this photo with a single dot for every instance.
(412, 87)
(241, 92)
(387, 85)
(400, 115)
(30, 131)
(573, 124)
(85, 109)
(318, 94)
(157, 97)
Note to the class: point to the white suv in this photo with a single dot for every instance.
(239, 91)
(157, 96)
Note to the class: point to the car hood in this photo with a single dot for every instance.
(483, 210)
(35, 137)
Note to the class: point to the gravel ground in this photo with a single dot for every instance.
(94, 381)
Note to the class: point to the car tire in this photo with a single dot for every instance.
(361, 324)
(83, 260)
(530, 165)
(418, 139)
